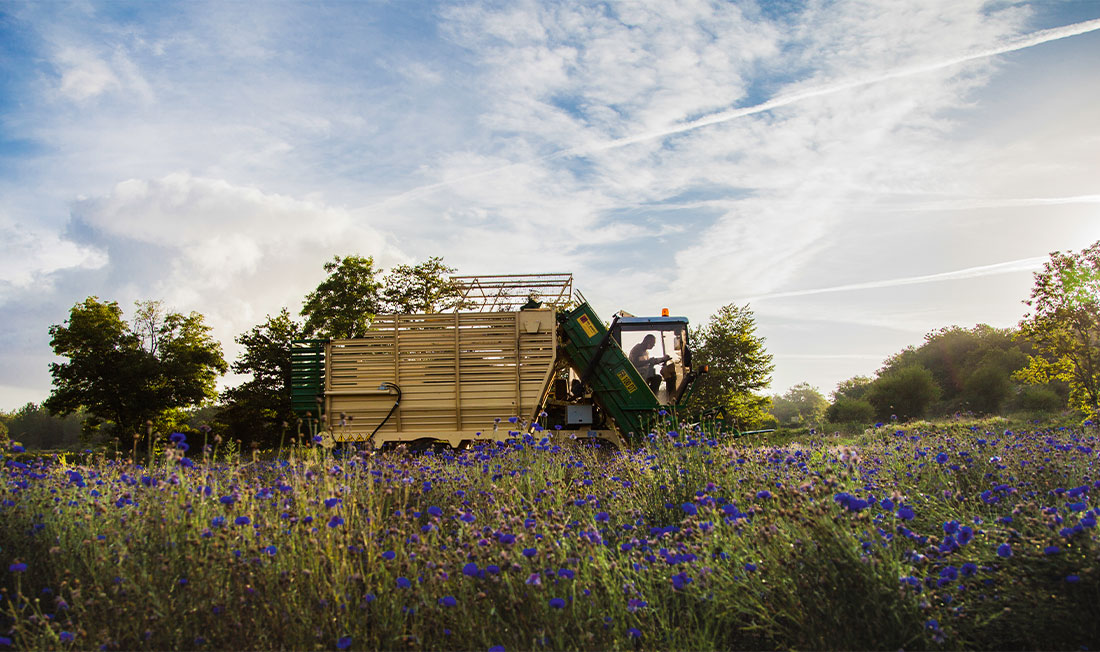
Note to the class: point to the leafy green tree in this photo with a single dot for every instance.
(738, 366)
(855, 387)
(850, 410)
(801, 404)
(259, 409)
(422, 288)
(123, 376)
(345, 303)
(34, 427)
(1064, 326)
(985, 390)
(905, 393)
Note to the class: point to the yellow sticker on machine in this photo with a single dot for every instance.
(627, 383)
(587, 325)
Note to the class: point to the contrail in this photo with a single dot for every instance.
(977, 203)
(1022, 265)
(1011, 45)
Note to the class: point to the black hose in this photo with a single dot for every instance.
(389, 414)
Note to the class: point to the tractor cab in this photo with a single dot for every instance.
(658, 349)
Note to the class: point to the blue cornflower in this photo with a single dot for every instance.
(388, 555)
(966, 535)
(331, 502)
(557, 603)
(942, 458)
(1051, 550)
(217, 521)
(470, 569)
(242, 520)
(403, 583)
(689, 509)
(566, 573)
(750, 567)
(492, 569)
(448, 601)
(18, 568)
(968, 569)
(5, 641)
(66, 637)
(634, 632)
(227, 500)
(602, 517)
(951, 527)
(435, 511)
(763, 494)
(906, 513)
(508, 539)
(530, 552)
(1073, 579)
(271, 550)
(343, 643)
(1004, 550)
(177, 437)
(335, 521)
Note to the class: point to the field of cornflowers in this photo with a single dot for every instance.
(948, 538)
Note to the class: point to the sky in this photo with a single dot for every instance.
(860, 173)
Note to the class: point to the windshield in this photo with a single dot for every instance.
(657, 352)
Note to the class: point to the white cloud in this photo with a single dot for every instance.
(29, 258)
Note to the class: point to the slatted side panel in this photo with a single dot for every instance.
(456, 371)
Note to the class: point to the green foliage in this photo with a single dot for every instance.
(855, 387)
(345, 303)
(1039, 398)
(259, 409)
(985, 390)
(738, 366)
(123, 376)
(801, 404)
(1064, 326)
(905, 393)
(34, 427)
(422, 288)
(850, 410)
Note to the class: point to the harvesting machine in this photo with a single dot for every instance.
(526, 352)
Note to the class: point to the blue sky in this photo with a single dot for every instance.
(861, 172)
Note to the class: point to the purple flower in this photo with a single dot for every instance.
(271, 550)
(403, 583)
(435, 511)
(335, 521)
(906, 513)
(567, 573)
(602, 517)
(343, 643)
(242, 520)
(388, 555)
(18, 568)
(448, 601)
(227, 500)
(1073, 579)
(66, 637)
(1051, 550)
(942, 458)
(689, 509)
(1004, 550)
(634, 632)
(557, 603)
(530, 552)
(763, 494)
(470, 569)
(331, 502)
(750, 567)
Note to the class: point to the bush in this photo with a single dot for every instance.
(905, 393)
(1039, 398)
(846, 410)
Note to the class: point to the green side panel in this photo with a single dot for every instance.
(307, 377)
(617, 387)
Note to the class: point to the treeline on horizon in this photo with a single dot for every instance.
(125, 381)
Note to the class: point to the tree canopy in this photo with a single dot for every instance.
(260, 408)
(800, 404)
(1064, 326)
(422, 288)
(345, 303)
(124, 375)
(738, 365)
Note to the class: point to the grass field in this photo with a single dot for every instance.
(917, 538)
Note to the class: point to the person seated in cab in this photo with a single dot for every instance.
(639, 357)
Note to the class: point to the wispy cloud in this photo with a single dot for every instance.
(1022, 265)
